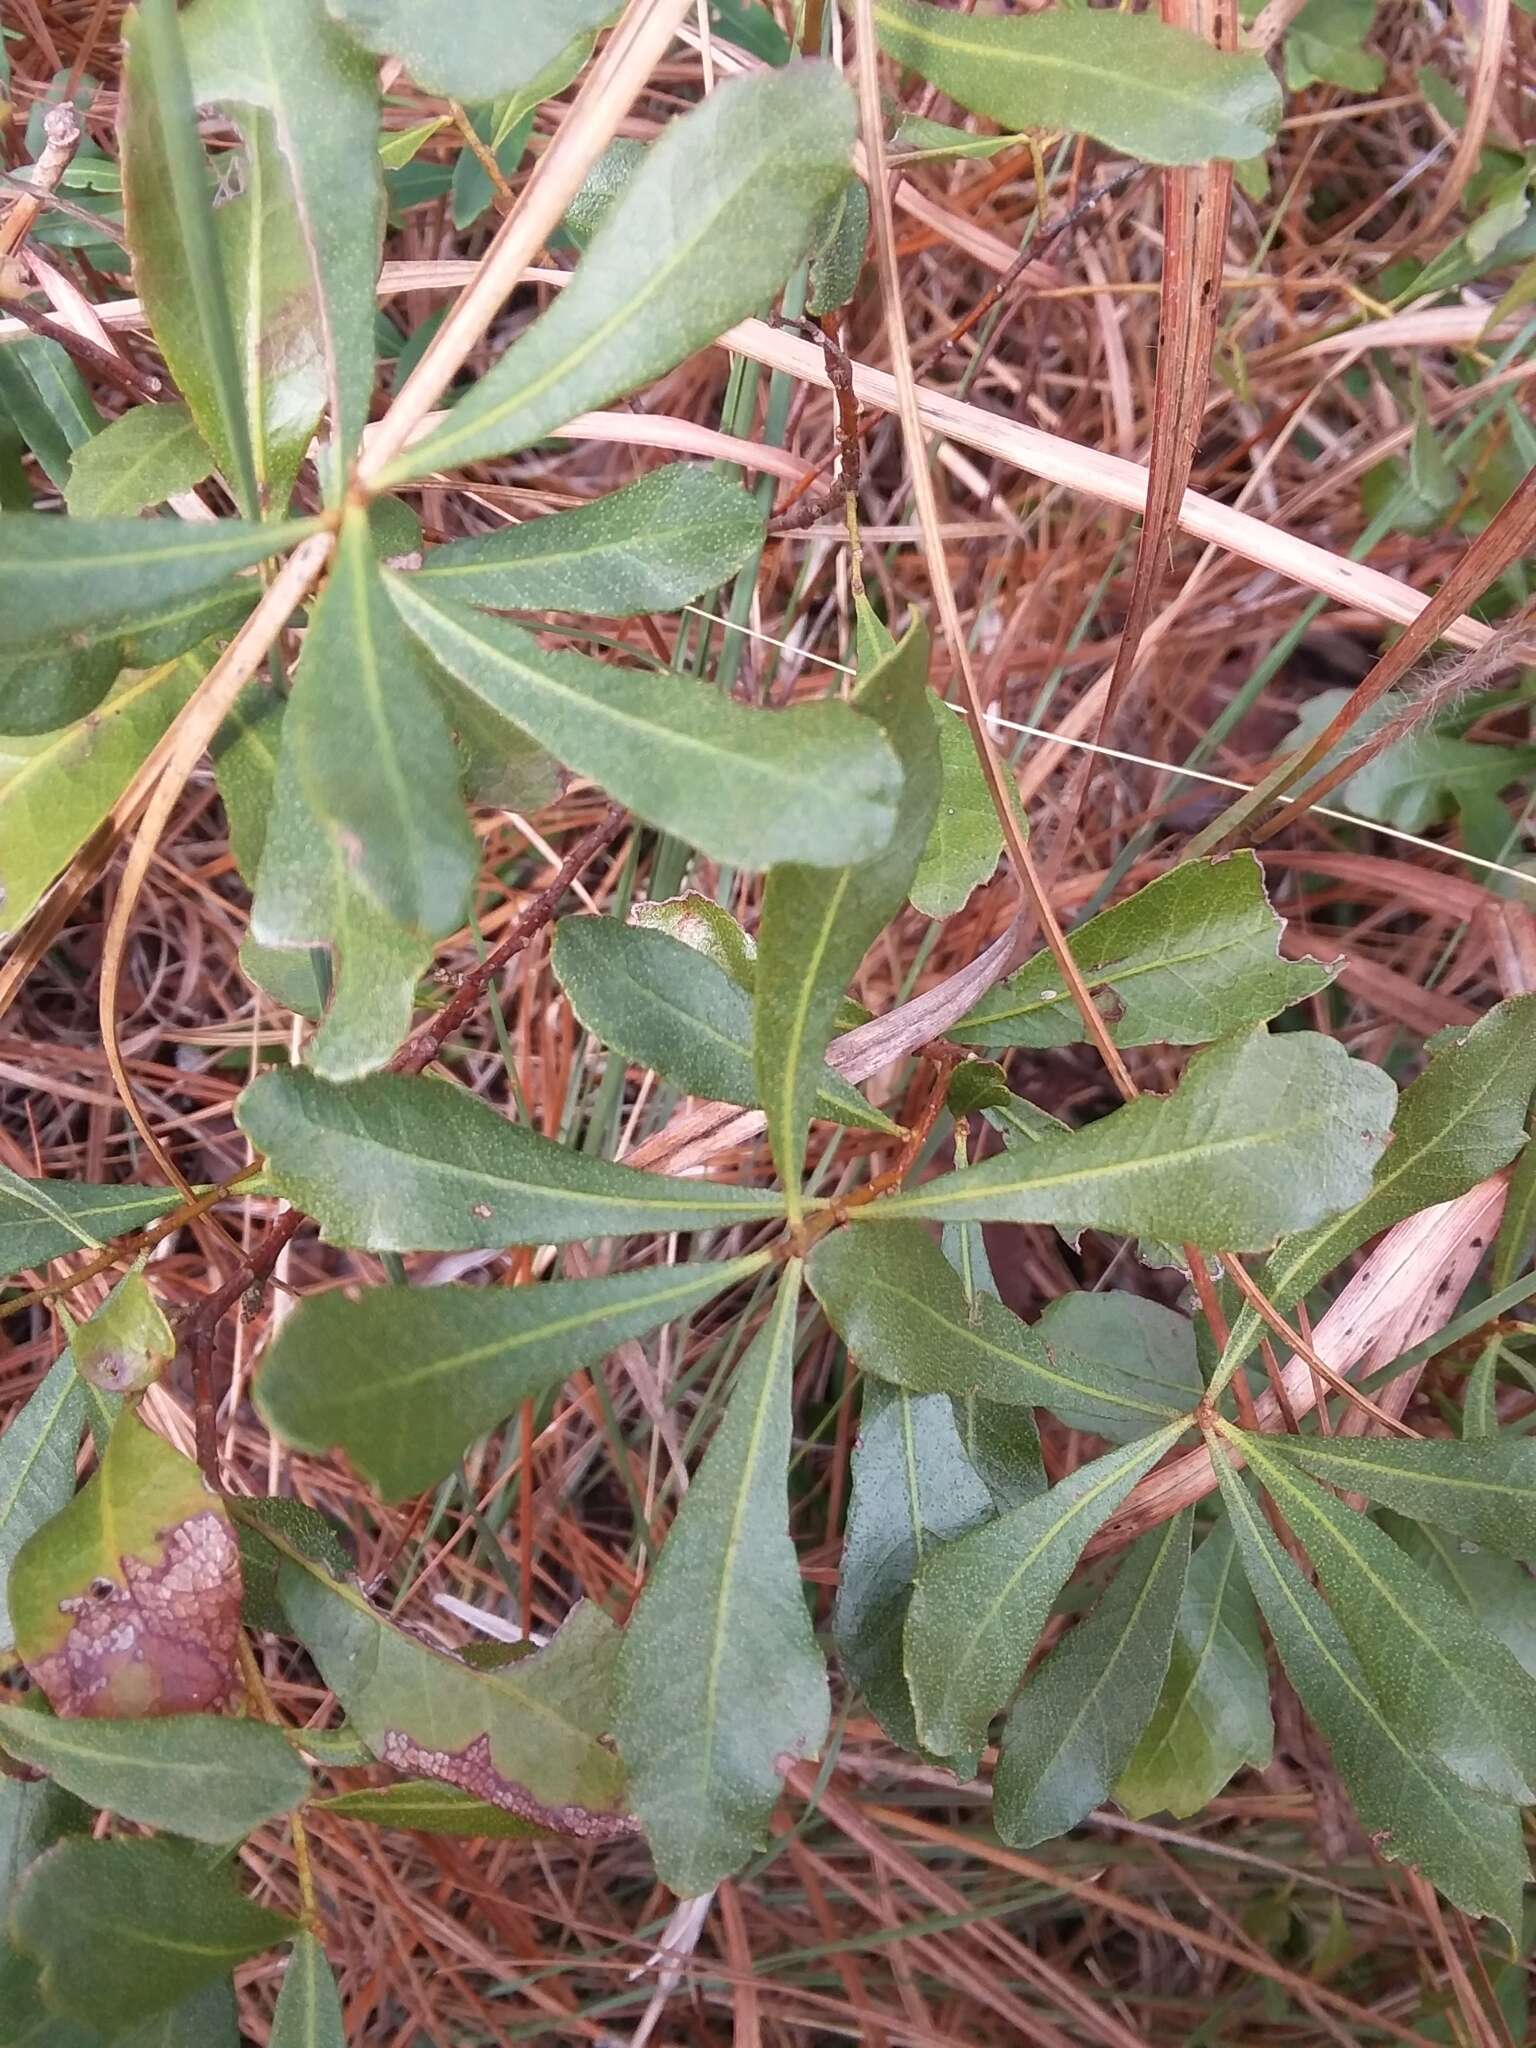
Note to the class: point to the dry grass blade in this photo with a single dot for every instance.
(1493, 25)
(1197, 201)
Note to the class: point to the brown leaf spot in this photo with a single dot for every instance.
(472, 1770)
(115, 1372)
(162, 1643)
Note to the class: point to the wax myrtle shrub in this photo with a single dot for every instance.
(361, 695)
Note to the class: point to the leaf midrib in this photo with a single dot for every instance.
(1358, 1470)
(593, 706)
(924, 1203)
(445, 572)
(721, 1275)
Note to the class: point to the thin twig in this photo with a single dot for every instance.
(117, 371)
(61, 128)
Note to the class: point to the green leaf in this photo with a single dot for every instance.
(1497, 1591)
(1185, 960)
(25, 2021)
(472, 193)
(369, 992)
(1461, 1120)
(1000, 1440)
(56, 789)
(404, 1378)
(299, 1528)
(982, 1084)
(126, 1344)
(192, 1774)
(125, 1930)
(979, 1604)
(837, 260)
(498, 763)
(285, 58)
(720, 1683)
(41, 1219)
(1121, 1344)
(40, 692)
(37, 1468)
(34, 1814)
(707, 928)
(279, 314)
(663, 1005)
(647, 548)
(710, 225)
(44, 396)
(901, 1309)
(1212, 1716)
(176, 261)
(818, 921)
(308, 905)
(1449, 1688)
(601, 186)
(64, 575)
(245, 751)
(1485, 1489)
(152, 453)
(744, 786)
(1003, 1445)
(402, 1164)
(168, 630)
(750, 25)
(1413, 1809)
(308, 2011)
(208, 2019)
(1427, 775)
(1126, 79)
(372, 754)
(473, 52)
(1075, 1725)
(913, 1486)
(1263, 1135)
(524, 1736)
(425, 1807)
(918, 137)
(1517, 1229)
(1326, 42)
(127, 1602)
(965, 841)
